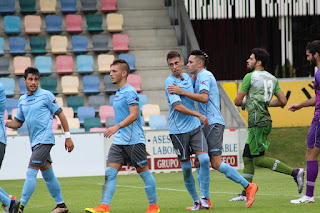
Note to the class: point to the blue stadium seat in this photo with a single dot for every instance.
(4, 66)
(91, 84)
(85, 112)
(7, 6)
(158, 122)
(130, 59)
(9, 85)
(17, 45)
(96, 101)
(11, 24)
(100, 43)
(89, 6)
(79, 44)
(22, 85)
(53, 23)
(85, 64)
(111, 99)
(2, 44)
(44, 64)
(11, 103)
(143, 99)
(68, 6)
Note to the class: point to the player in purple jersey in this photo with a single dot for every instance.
(313, 144)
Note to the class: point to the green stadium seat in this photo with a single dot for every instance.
(38, 45)
(75, 102)
(94, 22)
(49, 83)
(27, 6)
(91, 123)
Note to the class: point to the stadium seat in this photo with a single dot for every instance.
(48, 6)
(9, 85)
(4, 66)
(11, 24)
(143, 123)
(43, 64)
(6, 116)
(27, 6)
(96, 101)
(49, 83)
(74, 23)
(64, 64)
(22, 86)
(96, 129)
(79, 130)
(104, 62)
(79, 44)
(110, 121)
(111, 99)
(23, 130)
(14, 112)
(91, 123)
(11, 103)
(70, 85)
(85, 64)
(74, 124)
(21, 63)
(91, 84)
(115, 22)
(55, 125)
(89, 6)
(60, 101)
(158, 122)
(7, 7)
(150, 109)
(100, 43)
(143, 100)
(2, 45)
(59, 44)
(32, 24)
(120, 43)
(38, 45)
(85, 112)
(53, 24)
(109, 87)
(135, 81)
(68, 6)
(130, 59)
(17, 45)
(94, 22)
(104, 112)
(68, 112)
(109, 5)
(75, 102)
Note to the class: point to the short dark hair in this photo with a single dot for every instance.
(201, 55)
(31, 70)
(124, 66)
(173, 54)
(261, 55)
(313, 47)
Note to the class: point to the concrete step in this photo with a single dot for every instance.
(133, 32)
(153, 79)
(158, 97)
(143, 18)
(143, 41)
(140, 3)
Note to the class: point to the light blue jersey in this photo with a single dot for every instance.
(3, 133)
(206, 83)
(178, 122)
(125, 98)
(37, 111)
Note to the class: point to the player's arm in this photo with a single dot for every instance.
(239, 99)
(280, 101)
(203, 97)
(184, 110)
(64, 123)
(307, 103)
(15, 124)
(134, 113)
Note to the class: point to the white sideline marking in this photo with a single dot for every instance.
(232, 193)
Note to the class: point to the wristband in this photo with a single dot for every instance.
(67, 135)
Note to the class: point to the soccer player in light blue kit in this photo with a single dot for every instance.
(128, 146)
(36, 108)
(207, 96)
(186, 132)
(9, 204)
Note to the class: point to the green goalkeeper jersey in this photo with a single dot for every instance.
(260, 86)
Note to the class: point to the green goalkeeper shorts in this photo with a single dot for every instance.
(257, 139)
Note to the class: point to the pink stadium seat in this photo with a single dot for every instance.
(104, 112)
(6, 116)
(32, 24)
(74, 23)
(96, 129)
(55, 124)
(109, 5)
(21, 63)
(64, 64)
(120, 42)
(135, 81)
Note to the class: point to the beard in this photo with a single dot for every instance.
(251, 68)
(313, 62)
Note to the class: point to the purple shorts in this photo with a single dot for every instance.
(314, 134)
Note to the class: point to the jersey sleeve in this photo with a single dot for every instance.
(204, 84)
(52, 104)
(132, 98)
(246, 83)
(19, 116)
(277, 89)
(173, 98)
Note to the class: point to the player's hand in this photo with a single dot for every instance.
(174, 89)
(110, 131)
(204, 120)
(294, 107)
(69, 145)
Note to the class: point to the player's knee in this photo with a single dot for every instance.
(203, 159)
(258, 161)
(111, 173)
(31, 173)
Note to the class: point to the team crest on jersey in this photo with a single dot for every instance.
(54, 101)
(136, 99)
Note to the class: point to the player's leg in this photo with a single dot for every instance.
(181, 145)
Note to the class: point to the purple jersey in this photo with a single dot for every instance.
(316, 87)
